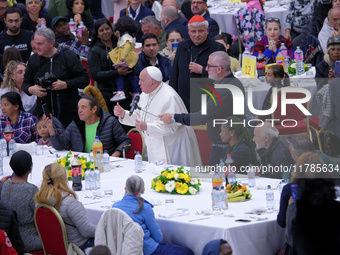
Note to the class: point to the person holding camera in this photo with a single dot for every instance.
(54, 75)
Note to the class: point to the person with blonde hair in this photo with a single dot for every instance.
(13, 79)
(55, 191)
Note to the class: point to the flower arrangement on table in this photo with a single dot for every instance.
(292, 68)
(66, 161)
(176, 182)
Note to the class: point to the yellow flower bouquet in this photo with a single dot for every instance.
(176, 182)
(66, 161)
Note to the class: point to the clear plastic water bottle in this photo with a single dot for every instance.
(91, 158)
(97, 172)
(270, 199)
(251, 177)
(300, 66)
(138, 162)
(72, 26)
(87, 179)
(106, 161)
(216, 199)
(99, 162)
(282, 184)
(93, 180)
(231, 169)
(1, 165)
(3, 147)
(43, 25)
(12, 146)
(224, 199)
(80, 28)
(283, 50)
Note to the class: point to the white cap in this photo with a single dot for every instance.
(154, 73)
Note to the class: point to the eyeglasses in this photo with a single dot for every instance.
(3, 9)
(271, 19)
(198, 3)
(209, 66)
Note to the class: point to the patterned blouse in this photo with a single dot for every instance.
(271, 56)
(250, 24)
(300, 14)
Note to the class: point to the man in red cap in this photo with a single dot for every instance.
(192, 57)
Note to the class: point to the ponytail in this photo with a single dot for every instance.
(127, 8)
(135, 186)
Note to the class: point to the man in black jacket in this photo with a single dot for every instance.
(192, 57)
(218, 67)
(91, 121)
(60, 93)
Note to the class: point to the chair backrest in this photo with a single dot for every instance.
(51, 229)
(120, 233)
(95, 92)
(292, 111)
(137, 143)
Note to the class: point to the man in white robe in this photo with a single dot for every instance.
(171, 144)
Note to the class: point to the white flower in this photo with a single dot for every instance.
(170, 186)
(194, 181)
(192, 190)
(176, 176)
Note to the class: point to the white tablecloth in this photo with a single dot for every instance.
(224, 16)
(256, 237)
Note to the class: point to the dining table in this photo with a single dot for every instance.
(186, 220)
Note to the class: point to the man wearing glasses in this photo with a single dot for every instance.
(3, 8)
(200, 7)
(218, 67)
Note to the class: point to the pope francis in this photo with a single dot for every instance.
(171, 144)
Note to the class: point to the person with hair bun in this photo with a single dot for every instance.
(141, 212)
(23, 123)
(18, 194)
(55, 191)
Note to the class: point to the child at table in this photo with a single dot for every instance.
(55, 192)
(42, 132)
(141, 212)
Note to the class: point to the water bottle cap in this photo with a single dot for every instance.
(228, 155)
(96, 137)
(269, 187)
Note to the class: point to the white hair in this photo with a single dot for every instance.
(197, 24)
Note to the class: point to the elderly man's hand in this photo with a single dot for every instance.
(37, 91)
(335, 33)
(59, 85)
(166, 118)
(141, 126)
(118, 111)
(195, 68)
(331, 74)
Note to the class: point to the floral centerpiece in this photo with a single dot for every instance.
(66, 161)
(176, 182)
(292, 68)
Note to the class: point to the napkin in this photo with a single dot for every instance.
(172, 214)
(271, 3)
(29, 147)
(274, 185)
(256, 210)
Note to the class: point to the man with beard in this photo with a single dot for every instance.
(14, 36)
(3, 8)
(66, 39)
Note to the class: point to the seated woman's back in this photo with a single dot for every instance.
(18, 194)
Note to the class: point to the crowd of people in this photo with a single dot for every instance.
(159, 63)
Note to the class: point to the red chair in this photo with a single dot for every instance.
(292, 112)
(86, 65)
(314, 125)
(51, 229)
(204, 143)
(137, 143)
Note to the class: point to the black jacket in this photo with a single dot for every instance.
(109, 131)
(65, 65)
(322, 70)
(9, 224)
(214, 29)
(31, 25)
(213, 112)
(164, 64)
(180, 76)
(177, 24)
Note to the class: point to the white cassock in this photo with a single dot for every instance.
(171, 144)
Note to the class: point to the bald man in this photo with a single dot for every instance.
(174, 3)
(170, 20)
(272, 151)
(170, 144)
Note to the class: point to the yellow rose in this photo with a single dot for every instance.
(171, 175)
(182, 189)
(83, 166)
(153, 183)
(177, 184)
(160, 186)
(187, 178)
(69, 173)
(181, 176)
(165, 174)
